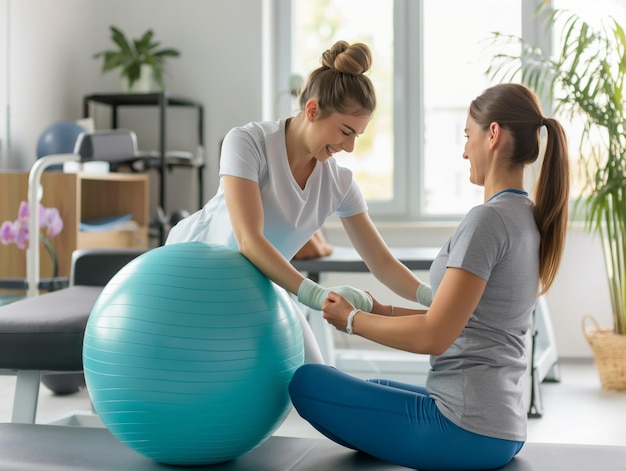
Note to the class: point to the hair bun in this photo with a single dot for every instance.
(340, 84)
(342, 57)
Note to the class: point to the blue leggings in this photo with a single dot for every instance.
(393, 421)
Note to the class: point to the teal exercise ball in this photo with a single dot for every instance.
(188, 354)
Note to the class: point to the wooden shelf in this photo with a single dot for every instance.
(78, 197)
(162, 101)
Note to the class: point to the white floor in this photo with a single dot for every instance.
(576, 410)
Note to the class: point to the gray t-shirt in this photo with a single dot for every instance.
(477, 382)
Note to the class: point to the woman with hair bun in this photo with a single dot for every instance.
(486, 280)
(280, 181)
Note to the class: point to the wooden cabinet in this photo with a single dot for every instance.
(79, 197)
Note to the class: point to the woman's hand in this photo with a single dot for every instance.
(313, 295)
(378, 308)
(335, 310)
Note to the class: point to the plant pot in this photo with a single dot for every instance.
(609, 351)
(143, 84)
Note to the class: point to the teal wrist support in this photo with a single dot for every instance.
(311, 294)
(424, 294)
(358, 298)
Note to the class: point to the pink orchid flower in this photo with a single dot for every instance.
(16, 232)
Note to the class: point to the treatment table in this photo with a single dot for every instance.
(44, 334)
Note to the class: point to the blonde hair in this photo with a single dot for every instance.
(340, 85)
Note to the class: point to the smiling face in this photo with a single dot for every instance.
(334, 132)
(476, 151)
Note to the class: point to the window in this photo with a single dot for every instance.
(453, 75)
(428, 65)
(318, 25)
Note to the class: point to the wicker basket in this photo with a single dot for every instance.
(609, 350)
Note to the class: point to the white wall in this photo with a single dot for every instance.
(51, 69)
(51, 66)
(581, 288)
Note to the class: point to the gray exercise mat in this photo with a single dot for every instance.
(26, 447)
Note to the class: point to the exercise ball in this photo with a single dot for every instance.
(188, 354)
(58, 138)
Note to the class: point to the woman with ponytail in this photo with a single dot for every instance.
(485, 284)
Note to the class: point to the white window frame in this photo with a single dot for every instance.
(408, 114)
(4, 84)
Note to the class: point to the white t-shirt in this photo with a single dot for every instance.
(257, 152)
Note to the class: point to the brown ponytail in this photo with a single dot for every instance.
(551, 202)
(516, 108)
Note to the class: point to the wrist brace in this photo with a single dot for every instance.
(358, 298)
(424, 294)
(311, 294)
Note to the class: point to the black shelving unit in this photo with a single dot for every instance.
(163, 101)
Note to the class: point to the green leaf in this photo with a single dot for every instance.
(129, 56)
(120, 39)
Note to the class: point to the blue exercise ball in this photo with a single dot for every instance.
(58, 138)
(188, 354)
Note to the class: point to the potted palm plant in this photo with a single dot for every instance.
(585, 80)
(135, 58)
